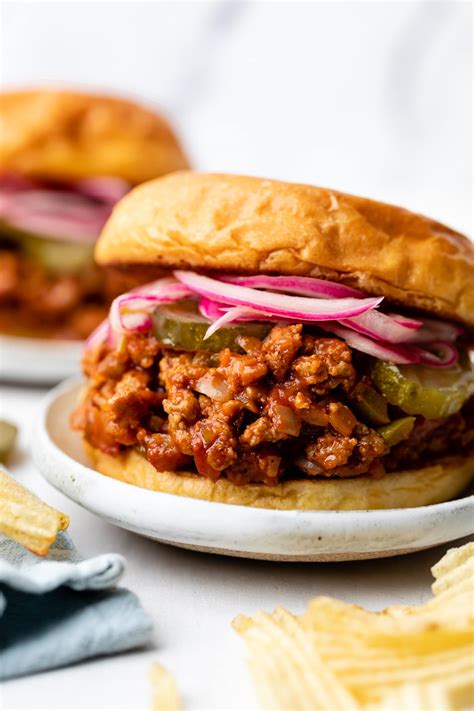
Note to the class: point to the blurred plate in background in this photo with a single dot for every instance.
(38, 361)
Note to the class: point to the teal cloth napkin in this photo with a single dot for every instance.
(59, 609)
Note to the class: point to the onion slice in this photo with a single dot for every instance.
(392, 337)
(54, 214)
(375, 324)
(382, 351)
(132, 312)
(236, 313)
(98, 336)
(444, 355)
(406, 321)
(211, 309)
(304, 286)
(434, 331)
(62, 211)
(105, 189)
(280, 305)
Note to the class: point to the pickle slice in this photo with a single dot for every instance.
(62, 257)
(396, 431)
(181, 326)
(54, 255)
(8, 433)
(425, 390)
(370, 404)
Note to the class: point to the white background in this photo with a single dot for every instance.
(373, 98)
(370, 97)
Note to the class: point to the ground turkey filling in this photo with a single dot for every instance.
(282, 409)
(34, 301)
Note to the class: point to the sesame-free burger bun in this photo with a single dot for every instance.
(441, 481)
(68, 135)
(251, 225)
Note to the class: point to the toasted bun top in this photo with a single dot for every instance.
(68, 135)
(250, 225)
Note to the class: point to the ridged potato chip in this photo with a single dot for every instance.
(279, 650)
(338, 655)
(26, 519)
(164, 689)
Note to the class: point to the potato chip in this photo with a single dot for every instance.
(419, 658)
(26, 519)
(283, 658)
(414, 697)
(164, 689)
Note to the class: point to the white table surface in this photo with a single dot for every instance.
(192, 598)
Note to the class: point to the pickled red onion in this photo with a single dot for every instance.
(382, 351)
(304, 286)
(280, 305)
(66, 212)
(132, 312)
(387, 337)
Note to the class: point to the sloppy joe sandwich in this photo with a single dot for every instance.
(301, 348)
(65, 159)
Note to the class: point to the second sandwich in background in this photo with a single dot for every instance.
(65, 159)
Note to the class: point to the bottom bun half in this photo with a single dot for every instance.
(433, 484)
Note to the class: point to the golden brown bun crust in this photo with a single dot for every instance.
(439, 482)
(68, 135)
(251, 225)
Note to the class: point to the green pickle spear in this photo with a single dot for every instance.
(425, 390)
(398, 430)
(181, 326)
(8, 433)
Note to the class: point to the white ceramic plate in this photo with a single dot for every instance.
(38, 361)
(235, 530)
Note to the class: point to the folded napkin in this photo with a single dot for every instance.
(60, 609)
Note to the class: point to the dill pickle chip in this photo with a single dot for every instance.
(398, 430)
(181, 326)
(425, 390)
(8, 433)
(54, 255)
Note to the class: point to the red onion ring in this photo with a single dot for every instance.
(382, 351)
(375, 324)
(437, 331)
(406, 321)
(210, 309)
(447, 354)
(98, 336)
(304, 286)
(296, 307)
(132, 312)
(236, 313)
(222, 302)
(66, 212)
(105, 189)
